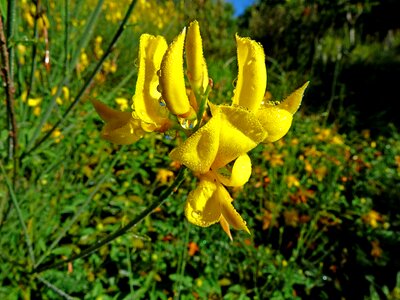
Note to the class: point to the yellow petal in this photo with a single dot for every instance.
(275, 121)
(228, 211)
(239, 133)
(123, 132)
(196, 64)
(172, 79)
(293, 101)
(199, 150)
(202, 205)
(241, 172)
(120, 128)
(225, 226)
(146, 99)
(34, 101)
(252, 76)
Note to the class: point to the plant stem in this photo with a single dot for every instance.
(10, 90)
(55, 289)
(164, 196)
(34, 52)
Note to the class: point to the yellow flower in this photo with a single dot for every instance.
(120, 128)
(229, 134)
(172, 80)
(372, 218)
(148, 115)
(291, 180)
(164, 175)
(216, 151)
(32, 102)
(146, 99)
(210, 202)
(123, 103)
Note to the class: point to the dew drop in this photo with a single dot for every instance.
(196, 214)
(234, 82)
(188, 124)
(161, 102)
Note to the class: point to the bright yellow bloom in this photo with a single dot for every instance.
(210, 202)
(252, 77)
(146, 99)
(122, 102)
(216, 151)
(126, 127)
(120, 128)
(172, 79)
(229, 134)
(196, 64)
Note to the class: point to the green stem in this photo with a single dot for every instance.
(10, 34)
(203, 104)
(34, 52)
(88, 81)
(66, 37)
(55, 289)
(164, 196)
(8, 82)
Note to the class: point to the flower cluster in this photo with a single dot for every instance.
(219, 136)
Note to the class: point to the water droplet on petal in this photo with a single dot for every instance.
(188, 124)
(162, 102)
(196, 214)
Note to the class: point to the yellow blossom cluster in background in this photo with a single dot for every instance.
(148, 12)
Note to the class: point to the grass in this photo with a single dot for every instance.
(321, 204)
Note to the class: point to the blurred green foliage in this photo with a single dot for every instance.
(322, 203)
(333, 43)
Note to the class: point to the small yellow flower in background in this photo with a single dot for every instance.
(65, 94)
(376, 250)
(122, 103)
(274, 159)
(308, 166)
(32, 102)
(291, 217)
(57, 135)
(83, 62)
(217, 145)
(21, 53)
(291, 180)
(321, 172)
(397, 161)
(164, 176)
(337, 140)
(372, 218)
(98, 51)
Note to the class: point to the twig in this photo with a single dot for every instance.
(10, 90)
(55, 289)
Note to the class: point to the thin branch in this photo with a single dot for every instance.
(55, 289)
(10, 90)
(164, 196)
